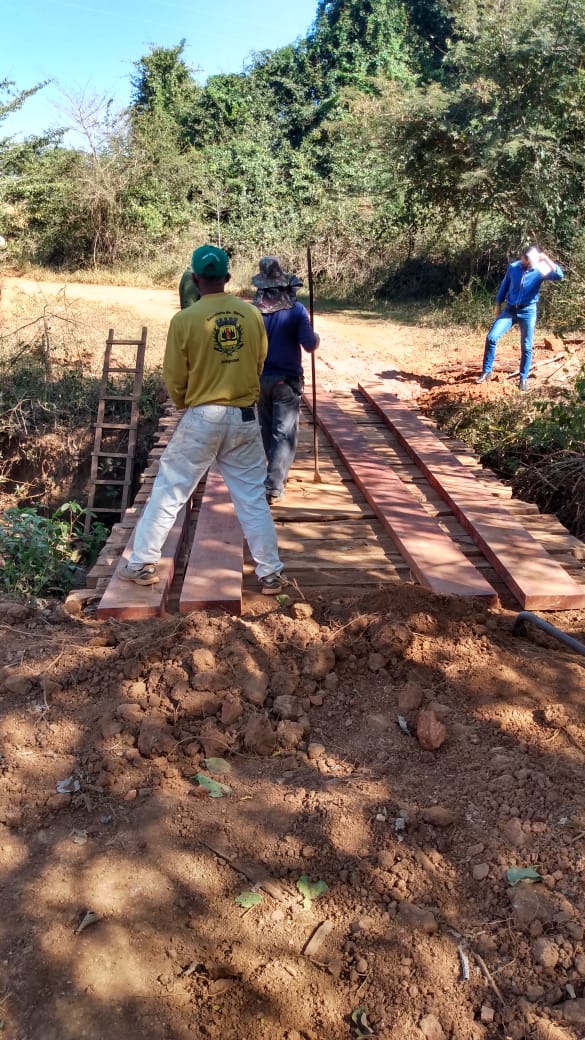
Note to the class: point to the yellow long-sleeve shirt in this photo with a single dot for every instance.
(215, 352)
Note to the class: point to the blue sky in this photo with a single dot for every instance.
(88, 46)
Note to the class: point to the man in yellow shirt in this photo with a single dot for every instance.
(214, 356)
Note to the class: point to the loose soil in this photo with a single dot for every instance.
(406, 751)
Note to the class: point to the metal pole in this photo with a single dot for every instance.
(317, 479)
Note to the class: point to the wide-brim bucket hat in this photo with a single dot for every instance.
(272, 276)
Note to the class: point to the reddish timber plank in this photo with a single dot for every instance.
(433, 557)
(123, 599)
(537, 580)
(214, 572)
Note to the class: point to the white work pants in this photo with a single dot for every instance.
(206, 434)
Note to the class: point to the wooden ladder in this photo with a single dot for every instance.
(103, 457)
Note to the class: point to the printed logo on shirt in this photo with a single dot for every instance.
(228, 336)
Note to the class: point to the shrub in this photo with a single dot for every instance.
(538, 444)
(40, 555)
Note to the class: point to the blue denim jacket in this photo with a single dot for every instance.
(520, 286)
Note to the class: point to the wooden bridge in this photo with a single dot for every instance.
(397, 501)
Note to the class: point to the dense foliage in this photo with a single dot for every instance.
(415, 145)
(41, 554)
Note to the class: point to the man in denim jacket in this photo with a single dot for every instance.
(516, 302)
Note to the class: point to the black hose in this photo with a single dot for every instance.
(519, 629)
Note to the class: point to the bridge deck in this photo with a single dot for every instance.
(338, 535)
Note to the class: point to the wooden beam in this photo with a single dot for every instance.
(433, 557)
(536, 580)
(124, 599)
(214, 572)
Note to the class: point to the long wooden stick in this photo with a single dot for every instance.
(317, 479)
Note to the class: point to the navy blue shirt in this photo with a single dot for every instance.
(288, 331)
(520, 286)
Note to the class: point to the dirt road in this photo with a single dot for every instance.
(352, 345)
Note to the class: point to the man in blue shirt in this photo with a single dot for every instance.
(519, 293)
(289, 329)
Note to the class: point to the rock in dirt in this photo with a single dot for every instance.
(513, 832)
(154, 739)
(431, 733)
(376, 661)
(213, 740)
(386, 859)
(417, 918)
(305, 722)
(480, 871)
(137, 691)
(431, 1028)
(389, 638)
(203, 660)
(209, 682)
(200, 704)
(284, 683)
(179, 691)
(318, 661)
(410, 698)
(531, 903)
(290, 733)
(110, 727)
(254, 688)
(12, 680)
(130, 712)
(76, 601)
(574, 1011)
(287, 707)
(13, 613)
(231, 710)
(301, 610)
(260, 737)
(546, 953)
(439, 816)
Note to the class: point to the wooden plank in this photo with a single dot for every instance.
(362, 544)
(307, 501)
(340, 577)
(214, 571)
(124, 599)
(433, 558)
(536, 580)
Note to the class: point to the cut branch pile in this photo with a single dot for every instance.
(557, 485)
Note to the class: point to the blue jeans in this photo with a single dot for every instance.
(278, 411)
(206, 434)
(525, 318)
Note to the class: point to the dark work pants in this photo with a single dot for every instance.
(278, 412)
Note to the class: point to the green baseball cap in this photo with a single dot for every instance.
(210, 262)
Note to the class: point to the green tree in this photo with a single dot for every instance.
(357, 40)
(498, 144)
(164, 89)
(430, 33)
